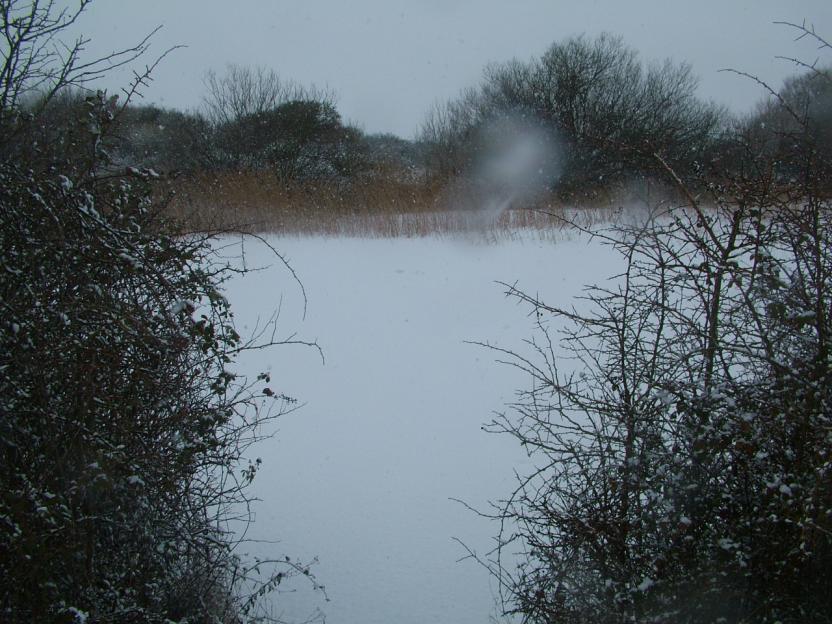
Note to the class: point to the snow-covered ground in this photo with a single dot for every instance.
(363, 474)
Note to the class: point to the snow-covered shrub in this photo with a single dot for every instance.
(679, 420)
(123, 425)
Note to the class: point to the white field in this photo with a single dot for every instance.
(362, 476)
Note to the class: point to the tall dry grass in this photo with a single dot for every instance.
(379, 206)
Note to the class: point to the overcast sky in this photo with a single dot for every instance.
(389, 60)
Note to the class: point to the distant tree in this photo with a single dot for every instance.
(598, 95)
(312, 142)
(391, 155)
(52, 133)
(245, 91)
(298, 140)
(263, 122)
(447, 131)
(804, 101)
(610, 113)
(166, 140)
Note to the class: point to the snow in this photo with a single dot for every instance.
(79, 617)
(362, 476)
(182, 305)
(130, 260)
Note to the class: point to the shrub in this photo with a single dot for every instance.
(123, 427)
(682, 466)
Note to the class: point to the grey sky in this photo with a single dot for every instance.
(389, 60)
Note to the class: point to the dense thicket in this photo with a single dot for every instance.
(680, 422)
(121, 423)
(123, 426)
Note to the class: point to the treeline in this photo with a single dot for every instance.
(606, 118)
(251, 120)
(615, 120)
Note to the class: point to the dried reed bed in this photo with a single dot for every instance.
(377, 208)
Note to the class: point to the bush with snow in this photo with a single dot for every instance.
(123, 427)
(680, 423)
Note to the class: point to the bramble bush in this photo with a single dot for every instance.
(124, 429)
(679, 422)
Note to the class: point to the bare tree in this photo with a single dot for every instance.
(245, 91)
(36, 61)
(610, 112)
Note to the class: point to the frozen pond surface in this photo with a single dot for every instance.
(363, 474)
